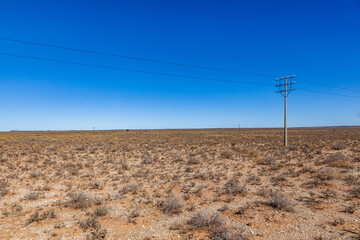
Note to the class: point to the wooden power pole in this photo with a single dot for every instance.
(285, 91)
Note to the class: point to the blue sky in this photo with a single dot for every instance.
(317, 41)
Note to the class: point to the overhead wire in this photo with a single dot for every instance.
(328, 93)
(328, 85)
(164, 62)
(136, 58)
(164, 74)
(133, 70)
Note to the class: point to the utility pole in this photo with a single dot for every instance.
(285, 91)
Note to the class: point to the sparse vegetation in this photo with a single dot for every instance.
(171, 184)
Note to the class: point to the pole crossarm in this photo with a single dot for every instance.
(287, 77)
(283, 84)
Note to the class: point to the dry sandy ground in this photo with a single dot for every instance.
(180, 184)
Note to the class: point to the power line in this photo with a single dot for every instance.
(165, 74)
(136, 58)
(328, 93)
(327, 85)
(164, 62)
(133, 70)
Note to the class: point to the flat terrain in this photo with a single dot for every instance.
(181, 184)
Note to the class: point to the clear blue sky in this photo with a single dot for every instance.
(316, 40)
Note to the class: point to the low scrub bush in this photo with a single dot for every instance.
(227, 233)
(279, 201)
(338, 146)
(37, 217)
(232, 187)
(79, 201)
(205, 219)
(171, 205)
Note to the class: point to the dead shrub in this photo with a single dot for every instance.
(254, 154)
(134, 213)
(294, 148)
(278, 178)
(51, 148)
(177, 158)
(216, 225)
(34, 175)
(223, 232)
(338, 146)
(130, 188)
(279, 201)
(338, 160)
(319, 151)
(177, 226)
(171, 205)
(335, 157)
(326, 173)
(146, 159)
(226, 154)
(90, 223)
(307, 169)
(48, 214)
(101, 211)
(32, 196)
(96, 185)
(253, 179)
(355, 192)
(270, 161)
(193, 161)
(328, 193)
(349, 209)
(79, 201)
(59, 225)
(37, 217)
(124, 166)
(3, 191)
(205, 219)
(315, 184)
(351, 179)
(97, 234)
(232, 187)
(80, 148)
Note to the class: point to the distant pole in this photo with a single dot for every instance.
(239, 128)
(285, 91)
(285, 115)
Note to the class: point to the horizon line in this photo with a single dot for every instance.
(143, 129)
